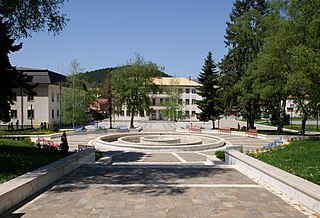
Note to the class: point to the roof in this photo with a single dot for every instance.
(41, 76)
(180, 81)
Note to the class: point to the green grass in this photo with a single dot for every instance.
(26, 132)
(300, 158)
(309, 127)
(19, 157)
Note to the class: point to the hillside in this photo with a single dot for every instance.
(98, 76)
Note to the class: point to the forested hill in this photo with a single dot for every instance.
(99, 76)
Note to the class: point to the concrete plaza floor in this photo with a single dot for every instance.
(156, 191)
(166, 184)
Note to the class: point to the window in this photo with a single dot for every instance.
(30, 97)
(193, 113)
(161, 91)
(13, 114)
(193, 90)
(14, 97)
(194, 101)
(58, 113)
(187, 90)
(58, 97)
(153, 101)
(180, 90)
(122, 113)
(128, 113)
(187, 113)
(187, 101)
(30, 114)
(180, 101)
(161, 101)
(52, 113)
(52, 97)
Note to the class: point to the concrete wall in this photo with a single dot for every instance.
(22, 187)
(301, 190)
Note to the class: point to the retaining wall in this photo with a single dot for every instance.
(303, 191)
(22, 187)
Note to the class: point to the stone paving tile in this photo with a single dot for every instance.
(89, 192)
(192, 156)
(160, 157)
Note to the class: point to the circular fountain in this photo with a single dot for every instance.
(160, 141)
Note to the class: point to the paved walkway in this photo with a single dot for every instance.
(151, 184)
(155, 191)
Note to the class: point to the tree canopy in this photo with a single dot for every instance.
(131, 85)
(19, 18)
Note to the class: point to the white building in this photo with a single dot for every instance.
(43, 107)
(189, 98)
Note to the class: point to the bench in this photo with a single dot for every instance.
(122, 128)
(103, 128)
(195, 128)
(252, 132)
(83, 147)
(80, 131)
(225, 130)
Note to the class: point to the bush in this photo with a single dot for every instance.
(275, 120)
(54, 127)
(220, 155)
(28, 141)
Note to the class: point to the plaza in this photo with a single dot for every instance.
(160, 184)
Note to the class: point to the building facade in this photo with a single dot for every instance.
(43, 107)
(188, 99)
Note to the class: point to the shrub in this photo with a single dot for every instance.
(28, 141)
(220, 155)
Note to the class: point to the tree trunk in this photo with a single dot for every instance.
(110, 122)
(282, 115)
(132, 117)
(213, 125)
(303, 124)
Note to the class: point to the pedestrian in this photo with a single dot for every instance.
(41, 126)
(45, 126)
(17, 124)
(238, 125)
(11, 126)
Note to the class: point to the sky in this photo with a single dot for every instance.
(175, 34)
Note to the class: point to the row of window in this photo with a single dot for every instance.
(31, 97)
(193, 113)
(193, 101)
(187, 90)
(30, 114)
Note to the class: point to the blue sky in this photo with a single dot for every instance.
(175, 34)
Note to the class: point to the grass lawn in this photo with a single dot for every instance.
(19, 157)
(301, 158)
(26, 132)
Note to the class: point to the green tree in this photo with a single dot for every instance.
(131, 85)
(19, 19)
(288, 64)
(210, 105)
(173, 105)
(244, 36)
(76, 98)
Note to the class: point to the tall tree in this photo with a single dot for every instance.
(18, 19)
(131, 85)
(76, 98)
(210, 105)
(244, 36)
(173, 106)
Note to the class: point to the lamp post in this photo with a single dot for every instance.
(31, 117)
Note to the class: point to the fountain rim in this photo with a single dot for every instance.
(193, 147)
